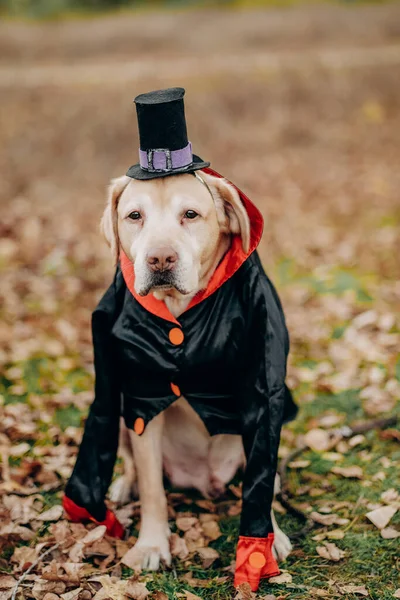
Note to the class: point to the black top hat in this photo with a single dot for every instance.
(164, 146)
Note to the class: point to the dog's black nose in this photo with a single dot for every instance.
(162, 259)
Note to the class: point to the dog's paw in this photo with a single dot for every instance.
(282, 545)
(122, 490)
(149, 554)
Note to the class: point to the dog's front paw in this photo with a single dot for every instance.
(282, 545)
(149, 552)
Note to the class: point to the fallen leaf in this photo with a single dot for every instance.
(208, 556)
(353, 472)
(159, 596)
(328, 519)
(390, 533)
(318, 592)
(188, 595)
(284, 577)
(7, 582)
(356, 440)
(41, 587)
(178, 546)
(397, 594)
(330, 551)
(24, 556)
(360, 590)
(299, 464)
(390, 496)
(211, 529)
(243, 592)
(136, 590)
(186, 523)
(53, 514)
(71, 595)
(94, 535)
(318, 439)
(381, 516)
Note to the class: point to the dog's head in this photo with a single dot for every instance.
(171, 227)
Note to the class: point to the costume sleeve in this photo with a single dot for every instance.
(85, 491)
(262, 408)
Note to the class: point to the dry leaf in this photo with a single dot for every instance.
(186, 523)
(318, 592)
(159, 596)
(41, 587)
(53, 514)
(328, 519)
(335, 534)
(390, 496)
(243, 592)
(356, 440)
(211, 529)
(7, 582)
(136, 590)
(284, 577)
(178, 546)
(299, 464)
(354, 472)
(381, 516)
(330, 552)
(397, 594)
(390, 533)
(71, 595)
(94, 535)
(188, 595)
(318, 440)
(24, 556)
(208, 556)
(360, 590)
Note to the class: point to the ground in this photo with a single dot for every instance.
(300, 108)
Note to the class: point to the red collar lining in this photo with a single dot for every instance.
(231, 262)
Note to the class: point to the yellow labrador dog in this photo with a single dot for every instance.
(156, 223)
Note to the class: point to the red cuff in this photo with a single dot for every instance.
(77, 514)
(254, 560)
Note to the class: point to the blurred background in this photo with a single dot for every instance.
(299, 105)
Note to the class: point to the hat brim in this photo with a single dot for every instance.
(136, 171)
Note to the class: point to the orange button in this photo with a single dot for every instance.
(257, 560)
(175, 389)
(176, 336)
(138, 426)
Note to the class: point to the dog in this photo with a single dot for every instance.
(190, 348)
(175, 231)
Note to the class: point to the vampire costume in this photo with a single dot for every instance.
(226, 354)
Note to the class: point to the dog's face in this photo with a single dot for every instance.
(171, 227)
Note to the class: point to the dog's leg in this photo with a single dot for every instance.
(226, 456)
(282, 545)
(153, 543)
(124, 488)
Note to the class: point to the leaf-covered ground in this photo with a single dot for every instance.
(315, 143)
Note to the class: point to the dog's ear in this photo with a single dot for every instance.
(109, 220)
(232, 215)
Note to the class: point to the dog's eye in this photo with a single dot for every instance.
(191, 214)
(135, 215)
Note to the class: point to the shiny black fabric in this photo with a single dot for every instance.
(230, 367)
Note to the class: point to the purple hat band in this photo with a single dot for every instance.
(162, 159)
